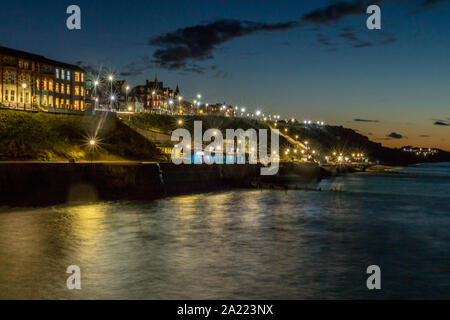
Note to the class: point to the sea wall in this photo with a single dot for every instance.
(25, 184)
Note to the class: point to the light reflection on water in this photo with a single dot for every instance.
(238, 244)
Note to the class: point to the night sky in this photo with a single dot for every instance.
(305, 59)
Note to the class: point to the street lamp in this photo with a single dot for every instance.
(126, 95)
(24, 86)
(110, 78)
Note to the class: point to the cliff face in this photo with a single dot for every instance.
(328, 139)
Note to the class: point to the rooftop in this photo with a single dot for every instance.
(35, 57)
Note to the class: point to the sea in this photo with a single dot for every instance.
(241, 244)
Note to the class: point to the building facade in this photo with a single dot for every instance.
(218, 109)
(156, 97)
(33, 82)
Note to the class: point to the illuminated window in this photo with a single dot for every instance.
(76, 104)
(82, 91)
(57, 87)
(62, 88)
(68, 75)
(44, 100)
(77, 90)
(82, 77)
(50, 85)
(57, 102)
(57, 73)
(45, 84)
(37, 84)
(68, 89)
(63, 75)
(82, 105)
(77, 77)
(50, 101)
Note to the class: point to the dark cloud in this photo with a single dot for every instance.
(324, 40)
(184, 47)
(430, 3)
(363, 44)
(197, 43)
(87, 67)
(442, 123)
(394, 135)
(348, 35)
(365, 120)
(388, 39)
(335, 12)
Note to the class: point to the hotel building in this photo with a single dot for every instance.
(33, 82)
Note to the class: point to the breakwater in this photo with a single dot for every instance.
(27, 184)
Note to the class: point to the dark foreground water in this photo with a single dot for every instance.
(241, 244)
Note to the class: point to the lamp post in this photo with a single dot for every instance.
(110, 78)
(179, 103)
(153, 101)
(126, 95)
(24, 86)
(111, 101)
(95, 94)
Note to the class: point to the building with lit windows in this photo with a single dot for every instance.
(33, 82)
(217, 109)
(156, 97)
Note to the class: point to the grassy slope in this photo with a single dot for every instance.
(43, 136)
(167, 124)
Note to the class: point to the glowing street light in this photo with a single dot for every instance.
(180, 122)
(92, 142)
(24, 86)
(110, 78)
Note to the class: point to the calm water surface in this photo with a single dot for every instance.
(241, 244)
